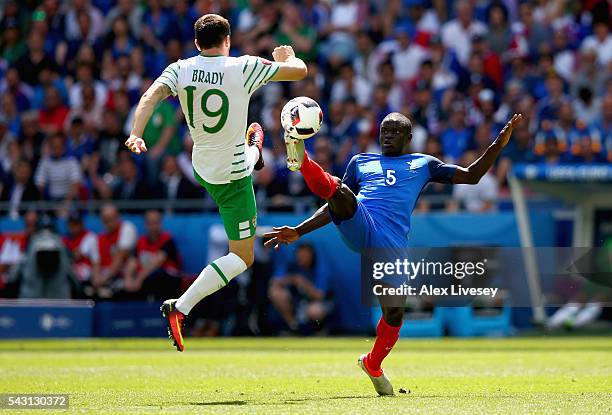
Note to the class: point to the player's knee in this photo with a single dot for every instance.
(316, 311)
(343, 203)
(277, 293)
(393, 315)
(247, 257)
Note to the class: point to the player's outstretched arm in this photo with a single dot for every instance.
(474, 172)
(285, 235)
(291, 68)
(153, 96)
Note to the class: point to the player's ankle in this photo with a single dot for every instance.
(372, 371)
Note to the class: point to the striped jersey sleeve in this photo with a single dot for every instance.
(257, 72)
(169, 77)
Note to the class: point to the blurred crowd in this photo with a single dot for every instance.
(72, 72)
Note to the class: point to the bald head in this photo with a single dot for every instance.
(110, 217)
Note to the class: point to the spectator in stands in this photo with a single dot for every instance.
(457, 34)
(324, 155)
(125, 185)
(120, 41)
(293, 31)
(184, 17)
(12, 45)
(518, 150)
(154, 271)
(34, 60)
(439, 192)
(20, 189)
(300, 292)
(549, 106)
(588, 74)
(82, 245)
(6, 136)
(391, 83)
(11, 114)
(58, 175)
(97, 90)
(552, 153)
(52, 116)
(127, 9)
(343, 23)
(349, 86)
(587, 106)
(30, 137)
(499, 34)
(14, 245)
(481, 197)
(89, 110)
(406, 56)
(8, 159)
(600, 41)
(80, 143)
(129, 185)
(491, 61)
(457, 138)
(184, 159)
(160, 132)
(73, 22)
(529, 31)
(115, 244)
(173, 185)
(106, 147)
(47, 78)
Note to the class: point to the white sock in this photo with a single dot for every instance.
(215, 276)
(568, 311)
(588, 314)
(252, 156)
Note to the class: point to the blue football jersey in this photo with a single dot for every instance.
(389, 187)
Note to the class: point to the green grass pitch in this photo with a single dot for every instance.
(567, 375)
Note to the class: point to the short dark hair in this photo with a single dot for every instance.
(211, 30)
(400, 118)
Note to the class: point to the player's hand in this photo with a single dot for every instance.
(281, 236)
(136, 144)
(283, 53)
(504, 135)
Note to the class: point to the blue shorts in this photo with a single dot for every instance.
(373, 240)
(363, 232)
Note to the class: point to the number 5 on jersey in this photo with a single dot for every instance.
(390, 178)
(220, 112)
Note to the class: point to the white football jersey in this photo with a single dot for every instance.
(214, 93)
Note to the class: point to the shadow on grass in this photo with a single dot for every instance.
(280, 402)
(220, 403)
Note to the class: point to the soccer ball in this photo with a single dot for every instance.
(301, 117)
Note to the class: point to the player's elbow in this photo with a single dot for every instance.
(299, 70)
(303, 72)
(467, 176)
(298, 73)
